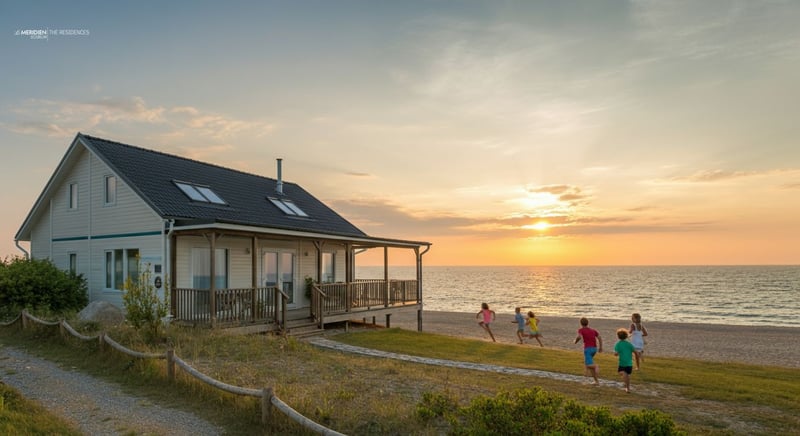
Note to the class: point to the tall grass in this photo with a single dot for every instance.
(364, 395)
(24, 417)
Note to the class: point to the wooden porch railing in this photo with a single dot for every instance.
(239, 306)
(336, 298)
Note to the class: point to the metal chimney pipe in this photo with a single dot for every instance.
(279, 185)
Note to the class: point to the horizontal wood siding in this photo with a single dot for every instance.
(129, 214)
(40, 235)
(239, 272)
(68, 222)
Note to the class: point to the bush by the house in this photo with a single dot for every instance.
(39, 286)
(144, 310)
(536, 411)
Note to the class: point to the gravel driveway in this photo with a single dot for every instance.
(96, 407)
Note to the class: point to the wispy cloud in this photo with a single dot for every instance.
(60, 118)
(718, 175)
(718, 29)
(389, 219)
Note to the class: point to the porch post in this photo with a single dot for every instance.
(419, 288)
(173, 276)
(386, 276)
(349, 270)
(213, 287)
(318, 245)
(253, 275)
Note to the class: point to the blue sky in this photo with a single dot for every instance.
(515, 132)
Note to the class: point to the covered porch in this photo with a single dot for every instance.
(310, 293)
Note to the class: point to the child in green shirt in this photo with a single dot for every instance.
(624, 349)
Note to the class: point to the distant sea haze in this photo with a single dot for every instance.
(741, 295)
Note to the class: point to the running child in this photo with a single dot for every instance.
(520, 320)
(592, 344)
(625, 351)
(637, 332)
(533, 325)
(488, 317)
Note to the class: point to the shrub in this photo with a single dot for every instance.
(39, 286)
(536, 411)
(144, 310)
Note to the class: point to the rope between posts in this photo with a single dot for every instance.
(133, 353)
(214, 382)
(9, 323)
(266, 395)
(302, 420)
(40, 321)
(75, 333)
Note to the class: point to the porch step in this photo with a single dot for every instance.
(301, 328)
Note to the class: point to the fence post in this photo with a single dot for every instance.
(24, 319)
(171, 364)
(101, 340)
(61, 329)
(266, 403)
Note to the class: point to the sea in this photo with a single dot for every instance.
(739, 295)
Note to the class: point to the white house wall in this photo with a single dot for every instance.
(40, 235)
(93, 228)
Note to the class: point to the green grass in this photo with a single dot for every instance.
(21, 416)
(773, 387)
(363, 395)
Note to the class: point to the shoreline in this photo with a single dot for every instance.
(756, 345)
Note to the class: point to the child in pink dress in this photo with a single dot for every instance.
(488, 317)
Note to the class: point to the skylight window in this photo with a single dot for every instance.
(288, 207)
(202, 194)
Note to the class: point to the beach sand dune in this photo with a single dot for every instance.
(774, 346)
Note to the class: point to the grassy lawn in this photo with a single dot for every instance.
(364, 395)
(21, 416)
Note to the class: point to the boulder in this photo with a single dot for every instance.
(102, 312)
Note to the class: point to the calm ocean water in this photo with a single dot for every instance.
(743, 295)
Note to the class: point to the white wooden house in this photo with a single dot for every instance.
(233, 248)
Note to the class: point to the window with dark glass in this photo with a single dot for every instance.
(203, 194)
(288, 207)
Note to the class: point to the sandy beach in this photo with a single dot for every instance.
(775, 346)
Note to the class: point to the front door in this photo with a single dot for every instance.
(277, 269)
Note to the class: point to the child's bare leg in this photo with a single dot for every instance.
(626, 379)
(490, 333)
(539, 340)
(636, 355)
(592, 369)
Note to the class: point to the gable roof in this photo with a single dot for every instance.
(152, 175)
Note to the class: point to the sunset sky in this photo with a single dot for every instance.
(505, 133)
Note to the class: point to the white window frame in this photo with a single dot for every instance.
(72, 262)
(117, 264)
(109, 190)
(328, 276)
(72, 196)
(225, 265)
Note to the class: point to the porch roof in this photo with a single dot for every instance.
(358, 242)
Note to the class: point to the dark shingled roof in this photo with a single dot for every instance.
(151, 174)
